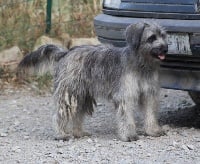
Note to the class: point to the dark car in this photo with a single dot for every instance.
(181, 18)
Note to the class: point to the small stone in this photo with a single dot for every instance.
(83, 41)
(24, 110)
(93, 149)
(89, 140)
(185, 148)
(96, 140)
(148, 154)
(98, 145)
(26, 137)
(170, 148)
(16, 123)
(59, 152)
(175, 144)
(140, 143)
(47, 40)
(184, 133)
(34, 129)
(166, 127)
(52, 161)
(100, 104)
(150, 137)
(197, 139)
(190, 147)
(3, 134)
(16, 149)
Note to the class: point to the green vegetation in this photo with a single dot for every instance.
(44, 82)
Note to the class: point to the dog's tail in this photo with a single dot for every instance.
(42, 60)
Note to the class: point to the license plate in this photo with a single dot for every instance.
(178, 44)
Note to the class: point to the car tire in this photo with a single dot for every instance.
(195, 95)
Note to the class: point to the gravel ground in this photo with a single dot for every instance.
(26, 134)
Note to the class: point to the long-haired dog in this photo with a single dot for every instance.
(128, 77)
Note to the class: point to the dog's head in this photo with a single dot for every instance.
(147, 38)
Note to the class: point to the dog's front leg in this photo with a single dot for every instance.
(126, 122)
(152, 127)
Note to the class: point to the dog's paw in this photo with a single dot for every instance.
(63, 138)
(129, 138)
(80, 134)
(155, 132)
(133, 138)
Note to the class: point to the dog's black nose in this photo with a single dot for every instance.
(164, 49)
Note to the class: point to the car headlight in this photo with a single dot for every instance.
(112, 3)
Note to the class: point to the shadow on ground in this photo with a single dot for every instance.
(184, 117)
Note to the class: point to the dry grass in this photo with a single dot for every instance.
(23, 21)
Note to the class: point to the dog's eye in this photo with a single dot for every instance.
(152, 38)
(163, 36)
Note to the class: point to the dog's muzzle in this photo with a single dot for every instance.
(160, 52)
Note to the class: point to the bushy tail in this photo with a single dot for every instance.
(42, 60)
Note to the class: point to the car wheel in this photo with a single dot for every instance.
(195, 95)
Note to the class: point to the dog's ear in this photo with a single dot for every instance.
(133, 34)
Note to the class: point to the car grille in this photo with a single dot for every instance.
(184, 6)
(184, 62)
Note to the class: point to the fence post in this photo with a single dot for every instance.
(48, 16)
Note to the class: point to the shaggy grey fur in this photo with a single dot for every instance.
(128, 77)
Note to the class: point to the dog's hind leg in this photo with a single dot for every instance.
(63, 115)
(84, 106)
(77, 124)
(61, 124)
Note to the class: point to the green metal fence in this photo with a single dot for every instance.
(23, 21)
(48, 16)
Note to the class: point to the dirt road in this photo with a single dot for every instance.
(26, 134)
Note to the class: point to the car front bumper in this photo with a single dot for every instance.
(112, 28)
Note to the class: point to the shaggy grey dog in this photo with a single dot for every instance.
(128, 77)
